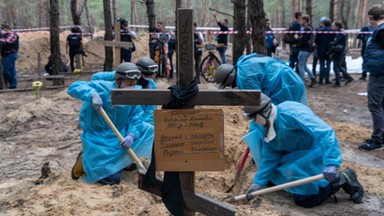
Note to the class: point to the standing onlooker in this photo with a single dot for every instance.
(315, 58)
(305, 48)
(364, 38)
(222, 38)
(323, 42)
(270, 40)
(9, 49)
(294, 51)
(75, 45)
(171, 50)
(374, 64)
(198, 41)
(126, 35)
(338, 54)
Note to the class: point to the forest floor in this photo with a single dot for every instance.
(34, 131)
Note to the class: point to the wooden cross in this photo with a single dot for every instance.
(185, 49)
(117, 44)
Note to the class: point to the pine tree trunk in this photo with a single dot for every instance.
(308, 9)
(256, 9)
(239, 25)
(74, 12)
(55, 40)
(114, 10)
(90, 28)
(294, 8)
(331, 4)
(364, 14)
(151, 14)
(41, 12)
(108, 64)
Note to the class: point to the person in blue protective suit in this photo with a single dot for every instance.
(264, 73)
(104, 156)
(296, 144)
(148, 68)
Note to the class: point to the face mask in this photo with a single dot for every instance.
(147, 78)
(260, 120)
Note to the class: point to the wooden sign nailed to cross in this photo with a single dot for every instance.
(194, 202)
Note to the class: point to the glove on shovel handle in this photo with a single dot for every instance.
(130, 152)
(278, 187)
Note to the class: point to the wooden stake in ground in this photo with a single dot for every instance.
(185, 50)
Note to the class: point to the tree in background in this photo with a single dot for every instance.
(108, 63)
(239, 43)
(76, 11)
(150, 4)
(308, 9)
(256, 10)
(55, 40)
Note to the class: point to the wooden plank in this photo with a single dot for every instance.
(118, 44)
(194, 201)
(185, 50)
(204, 97)
(117, 50)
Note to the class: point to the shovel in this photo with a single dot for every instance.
(278, 187)
(130, 152)
(239, 169)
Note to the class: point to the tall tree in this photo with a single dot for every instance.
(108, 64)
(239, 25)
(308, 9)
(331, 9)
(364, 13)
(87, 15)
(76, 12)
(133, 12)
(345, 9)
(114, 10)
(55, 40)
(256, 9)
(151, 14)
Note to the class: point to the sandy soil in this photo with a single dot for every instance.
(34, 131)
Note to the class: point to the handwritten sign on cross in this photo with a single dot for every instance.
(193, 201)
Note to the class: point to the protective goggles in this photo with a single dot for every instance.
(266, 108)
(151, 68)
(130, 74)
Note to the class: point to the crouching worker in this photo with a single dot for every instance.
(272, 77)
(297, 144)
(104, 156)
(148, 69)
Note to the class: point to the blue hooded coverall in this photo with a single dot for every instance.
(148, 109)
(275, 79)
(102, 154)
(304, 145)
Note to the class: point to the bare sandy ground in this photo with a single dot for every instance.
(34, 131)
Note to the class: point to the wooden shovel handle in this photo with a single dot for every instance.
(130, 152)
(279, 187)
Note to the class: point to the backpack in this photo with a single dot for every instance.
(288, 38)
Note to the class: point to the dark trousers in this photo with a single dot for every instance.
(375, 91)
(112, 179)
(325, 67)
(72, 54)
(309, 201)
(197, 67)
(9, 70)
(293, 58)
(125, 55)
(339, 66)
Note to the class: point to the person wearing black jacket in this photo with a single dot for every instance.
(222, 38)
(323, 42)
(337, 52)
(305, 49)
(363, 36)
(375, 65)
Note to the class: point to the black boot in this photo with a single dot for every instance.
(348, 182)
(313, 82)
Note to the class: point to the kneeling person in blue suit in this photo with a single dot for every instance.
(292, 144)
(104, 156)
